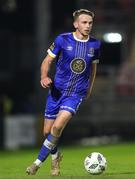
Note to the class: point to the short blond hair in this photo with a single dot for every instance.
(77, 13)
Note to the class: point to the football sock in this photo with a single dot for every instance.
(54, 156)
(38, 162)
(54, 150)
(49, 144)
(54, 153)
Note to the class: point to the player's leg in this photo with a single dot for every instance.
(45, 149)
(46, 130)
(51, 111)
(47, 126)
(60, 123)
(56, 130)
(56, 155)
(69, 106)
(50, 141)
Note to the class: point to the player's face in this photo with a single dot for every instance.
(83, 24)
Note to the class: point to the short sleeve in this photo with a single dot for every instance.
(55, 47)
(96, 56)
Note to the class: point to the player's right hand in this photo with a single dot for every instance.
(45, 82)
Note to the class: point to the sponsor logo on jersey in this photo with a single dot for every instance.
(78, 65)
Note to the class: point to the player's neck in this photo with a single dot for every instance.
(79, 37)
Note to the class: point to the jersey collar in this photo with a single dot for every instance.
(81, 40)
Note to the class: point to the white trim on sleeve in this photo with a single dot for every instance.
(95, 61)
(51, 54)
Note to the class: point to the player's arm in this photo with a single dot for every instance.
(53, 51)
(92, 79)
(45, 67)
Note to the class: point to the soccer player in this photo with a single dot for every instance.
(76, 55)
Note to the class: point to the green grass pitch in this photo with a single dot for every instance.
(120, 160)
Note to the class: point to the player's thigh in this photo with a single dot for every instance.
(47, 126)
(60, 122)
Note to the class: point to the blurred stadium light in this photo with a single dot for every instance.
(112, 37)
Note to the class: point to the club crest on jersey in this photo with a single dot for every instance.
(91, 52)
(78, 65)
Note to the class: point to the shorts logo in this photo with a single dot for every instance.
(78, 65)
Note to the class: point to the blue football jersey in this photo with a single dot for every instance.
(73, 63)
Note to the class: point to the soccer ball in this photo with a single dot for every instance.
(95, 163)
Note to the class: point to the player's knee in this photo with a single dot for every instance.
(56, 131)
(45, 133)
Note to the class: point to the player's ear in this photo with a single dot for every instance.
(75, 24)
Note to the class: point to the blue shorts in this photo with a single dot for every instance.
(67, 103)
